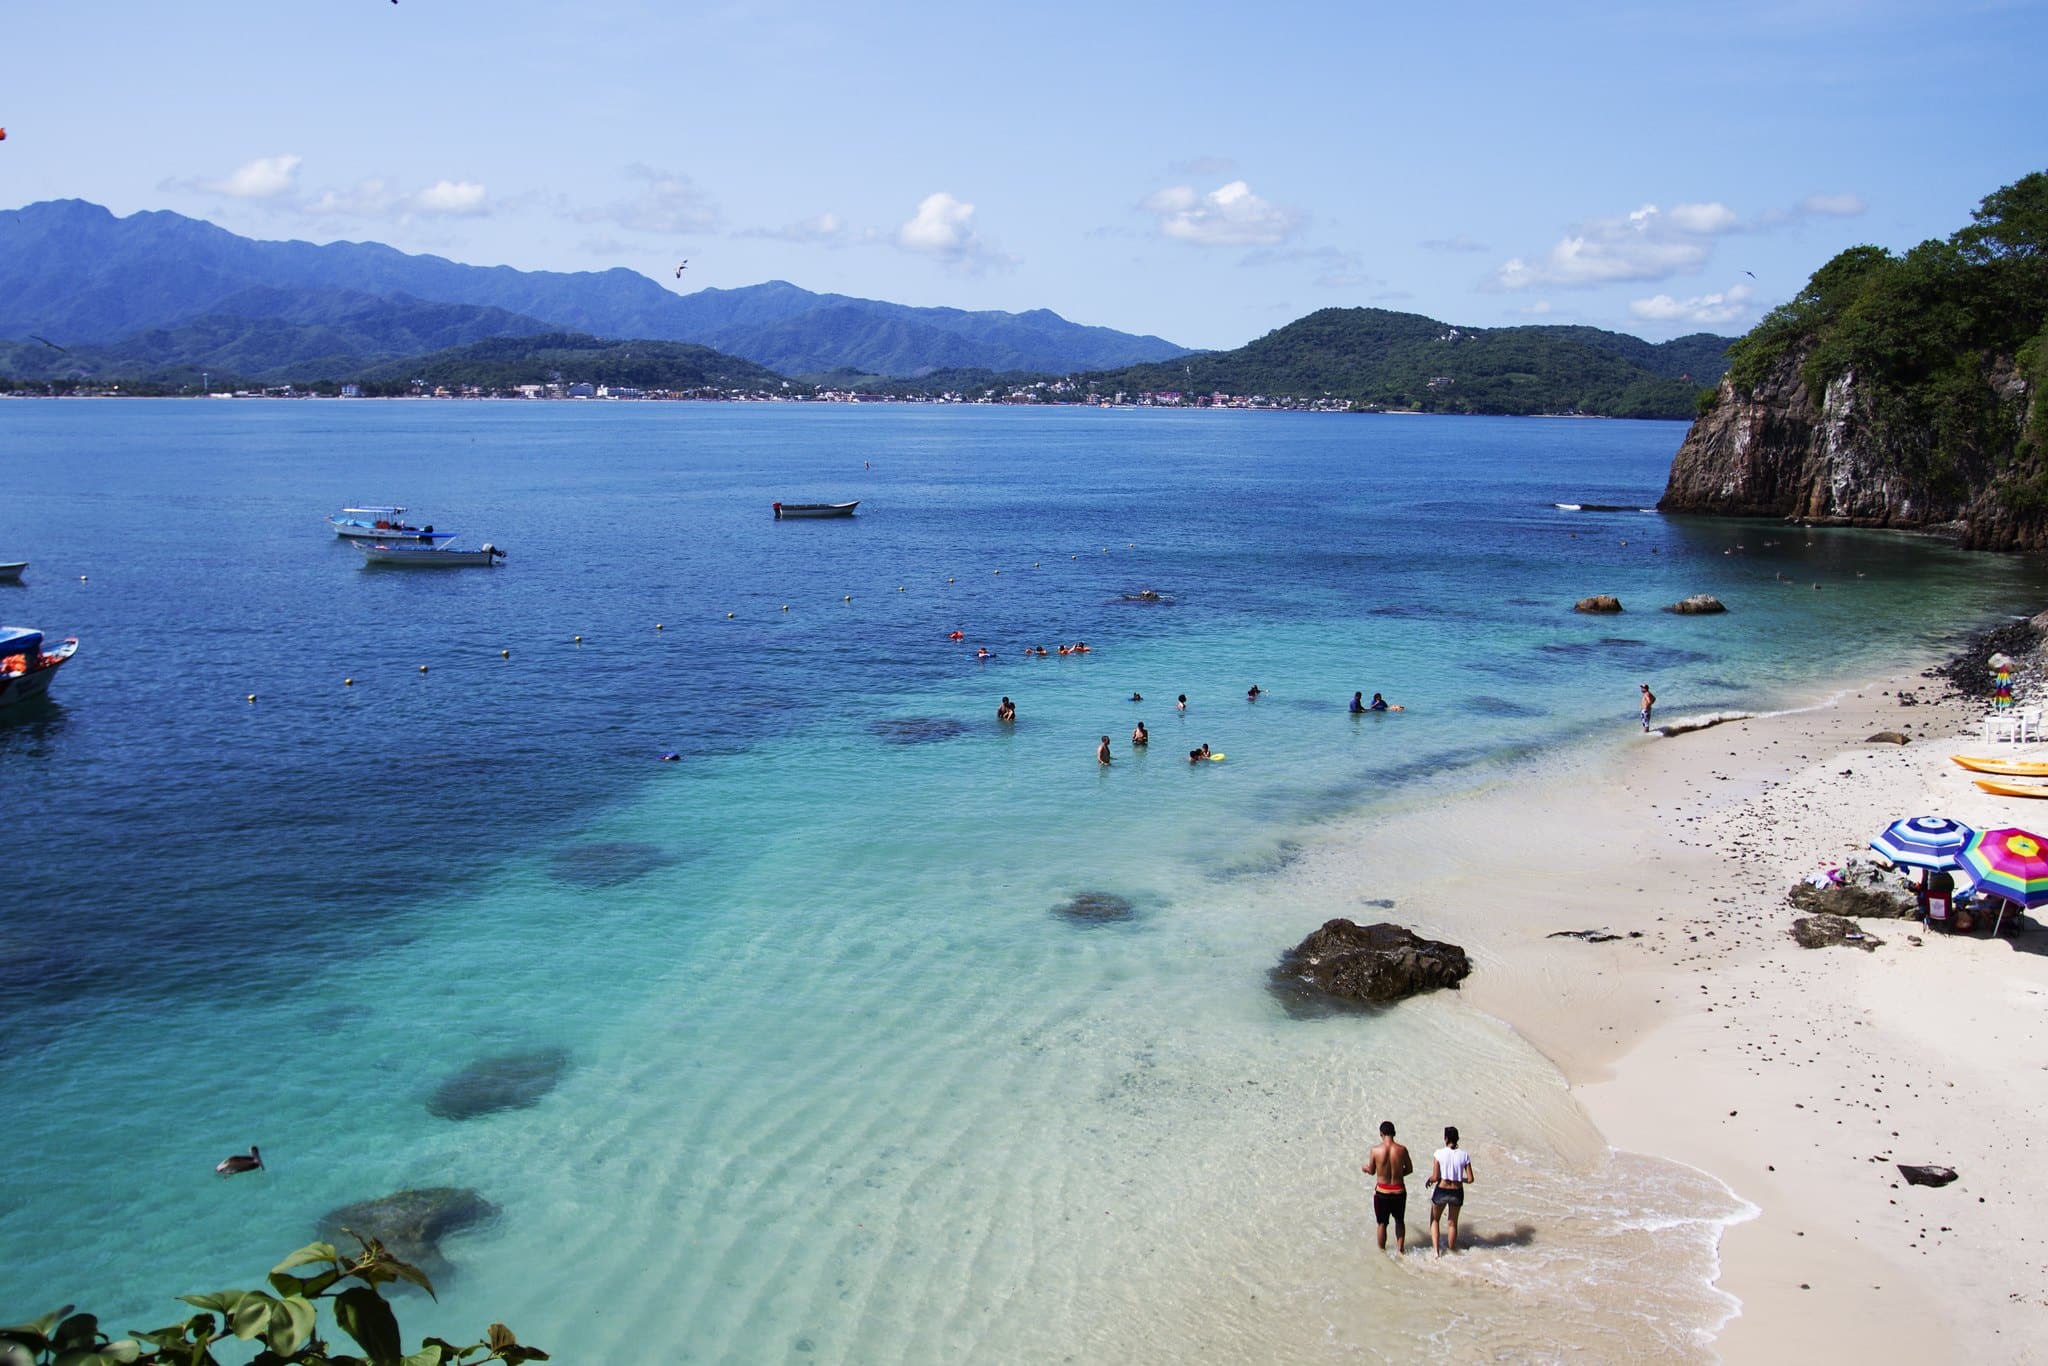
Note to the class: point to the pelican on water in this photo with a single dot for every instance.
(241, 1162)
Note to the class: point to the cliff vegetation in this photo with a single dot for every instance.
(1894, 390)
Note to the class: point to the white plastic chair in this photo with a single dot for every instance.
(2029, 723)
(2001, 725)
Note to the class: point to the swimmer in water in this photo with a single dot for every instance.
(1357, 703)
(1181, 705)
(1378, 703)
(1140, 737)
(982, 653)
(1251, 694)
(1006, 711)
(1195, 756)
(1102, 752)
(1137, 697)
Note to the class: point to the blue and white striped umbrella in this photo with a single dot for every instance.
(1933, 842)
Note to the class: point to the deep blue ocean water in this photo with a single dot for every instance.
(841, 1084)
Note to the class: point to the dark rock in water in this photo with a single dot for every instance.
(1818, 932)
(1699, 604)
(606, 863)
(1599, 602)
(1369, 964)
(1866, 892)
(1889, 737)
(916, 730)
(1096, 908)
(510, 1081)
(1590, 936)
(1926, 1176)
(411, 1223)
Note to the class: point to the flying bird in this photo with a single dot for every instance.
(47, 342)
(251, 1160)
(1750, 273)
(679, 269)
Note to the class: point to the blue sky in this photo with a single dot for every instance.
(1206, 172)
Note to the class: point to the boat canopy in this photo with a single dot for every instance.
(19, 640)
(374, 512)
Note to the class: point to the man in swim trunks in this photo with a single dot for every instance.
(1388, 1164)
(1140, 736)
(1357, 703)
(1102, 751)
(1006, 711)
(1449, 1173)
(1647, 700)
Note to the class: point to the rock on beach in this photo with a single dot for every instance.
(1368, 964)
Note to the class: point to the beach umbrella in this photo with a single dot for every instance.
(2008, 863)
(1931, 842)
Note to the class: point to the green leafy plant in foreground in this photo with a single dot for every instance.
(285, 1320)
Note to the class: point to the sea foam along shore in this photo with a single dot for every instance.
(1798, 1077)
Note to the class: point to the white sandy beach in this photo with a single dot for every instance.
(1798, 1077)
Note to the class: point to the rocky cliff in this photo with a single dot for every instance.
(1855, 455)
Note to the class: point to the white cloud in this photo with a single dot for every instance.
(943, 229)
(1228, 217)
(1646, 244)
(1832, 205)
(1723, 307)
(263, 178)
(454, 198)
(1460, 243)
(667, 203)
(376, 198)
(1703, 218)
(825, 229)
(1335, 267)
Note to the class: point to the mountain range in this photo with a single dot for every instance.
(163, 300)
(157, 293)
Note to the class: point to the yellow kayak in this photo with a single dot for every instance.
(2011, 768)
(1998, 789)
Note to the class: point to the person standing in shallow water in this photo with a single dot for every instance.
(1449, 1173)
(1388, 1164)
(1102, 752)
(1647, 701)
(1140, 736)
(1006, 711)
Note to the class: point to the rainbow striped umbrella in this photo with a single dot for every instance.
(1931, 842)
(2011, 864)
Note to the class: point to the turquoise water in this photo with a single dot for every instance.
(842, 1086)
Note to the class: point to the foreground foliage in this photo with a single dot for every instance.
(285, 1320)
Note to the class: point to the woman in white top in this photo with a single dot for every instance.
(1449, 1173)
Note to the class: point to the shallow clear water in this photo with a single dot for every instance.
(842, 1085)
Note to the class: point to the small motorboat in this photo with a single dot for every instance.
(783, 510)
(414, 553)
(25, 670)
(382, 524)
(11, 573)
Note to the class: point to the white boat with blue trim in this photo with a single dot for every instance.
(26, 671)
(382, 524)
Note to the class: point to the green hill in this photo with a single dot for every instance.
(1371, 356)
(506, 362)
